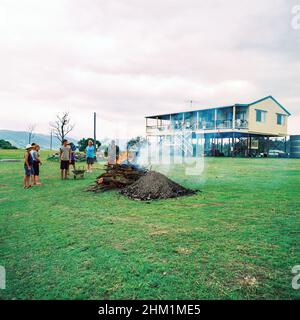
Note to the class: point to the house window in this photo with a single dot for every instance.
(261, 116)
(281, 119)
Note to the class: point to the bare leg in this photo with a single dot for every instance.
(37, 180)
(26, 181)
(62, 174)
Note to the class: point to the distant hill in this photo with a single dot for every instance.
(20, 139)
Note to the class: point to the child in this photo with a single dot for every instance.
(64, 156)
(73, 149)
(28, 163)
(36, 164)
(90, 156)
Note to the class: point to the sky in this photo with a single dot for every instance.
(127, 59)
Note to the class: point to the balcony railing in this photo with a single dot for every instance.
(203, 125)
(241, 124)
(207, 125)
(224, 124)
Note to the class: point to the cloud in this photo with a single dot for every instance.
(127, 59)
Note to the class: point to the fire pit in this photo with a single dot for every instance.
(138, 183)
(117, 176)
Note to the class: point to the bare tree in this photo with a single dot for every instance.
(31, 134)
(62, 126)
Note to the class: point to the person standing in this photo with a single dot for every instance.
(65, 158)
(72, 158)
(36, 164)
(113, 153)
(28, 166)
(90, 156)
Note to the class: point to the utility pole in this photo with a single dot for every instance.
(95, 124)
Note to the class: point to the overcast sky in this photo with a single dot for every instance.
(130, 58)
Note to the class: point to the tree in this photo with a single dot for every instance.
(136, 143)
(31, 134)
(62, 126)
(82, 144)
(6, 145)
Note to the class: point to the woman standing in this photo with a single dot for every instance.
(90, 155)
(36, 164)
(28, 166)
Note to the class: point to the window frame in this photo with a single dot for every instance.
(282, 117)
(263, 116)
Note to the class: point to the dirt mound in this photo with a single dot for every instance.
(154, 185)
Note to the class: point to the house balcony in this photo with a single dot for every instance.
(205, 126)
(225, 118)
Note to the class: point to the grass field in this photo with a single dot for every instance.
(237, 239)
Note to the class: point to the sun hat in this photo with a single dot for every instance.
(28, 146)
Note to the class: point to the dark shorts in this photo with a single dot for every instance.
(90, 160)
(28, 172)
(36, 168)
(72, 162)
(64, 164)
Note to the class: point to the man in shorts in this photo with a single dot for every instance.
(65, 157)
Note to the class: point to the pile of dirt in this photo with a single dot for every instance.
(154, 185)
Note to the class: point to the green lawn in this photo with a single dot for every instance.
(238, 239)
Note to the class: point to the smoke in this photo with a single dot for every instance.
(181, 151)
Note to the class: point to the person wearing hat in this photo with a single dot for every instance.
(36, 163)
(28, 166)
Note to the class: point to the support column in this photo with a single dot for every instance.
(172, 149)
(194, 137)
(149, 149)
(233, 144)
(285, 148)
(182, 147)
(233, 116)
(221, 144)
(216, 117)
(160, 149)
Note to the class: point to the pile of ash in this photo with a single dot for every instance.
(138, 183)
(154, 185)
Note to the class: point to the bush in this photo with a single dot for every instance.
(82, 144)
(6, 145)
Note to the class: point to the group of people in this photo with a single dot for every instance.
(32, 165)
(32, 161)
(67, 157)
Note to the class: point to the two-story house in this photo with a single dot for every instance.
(248, 123)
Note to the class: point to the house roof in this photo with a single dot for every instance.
(237, 105)
(270, 97)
